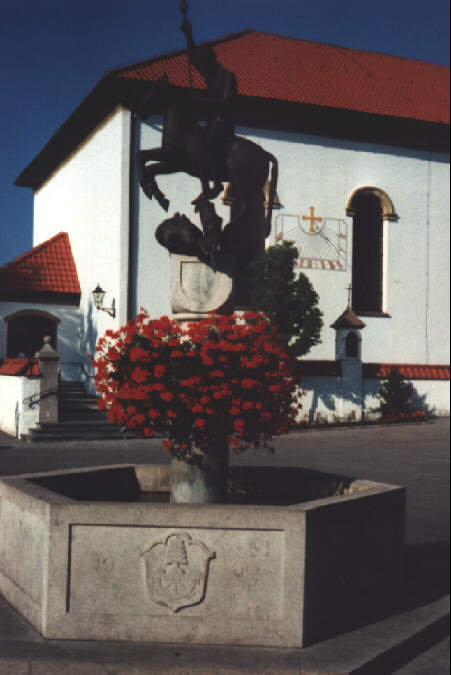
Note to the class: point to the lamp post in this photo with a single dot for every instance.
(99, 294)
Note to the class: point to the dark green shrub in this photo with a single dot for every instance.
(289, 300)
(395, 394)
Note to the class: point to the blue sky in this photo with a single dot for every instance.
(52, 53)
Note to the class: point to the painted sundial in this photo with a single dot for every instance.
(322, 241)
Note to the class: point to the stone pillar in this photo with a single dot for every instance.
(48, 369)
(348, 351)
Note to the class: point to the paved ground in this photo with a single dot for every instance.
(413, 641)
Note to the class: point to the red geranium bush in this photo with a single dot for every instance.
(221, 379)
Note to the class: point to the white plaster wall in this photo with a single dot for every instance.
(432, 396)
(88, 197)
(324, 396)
(16, 414)
(69, 330)
(323, 173)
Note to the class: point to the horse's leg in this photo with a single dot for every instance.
(209, 193)
(144, 156)
(158, 168)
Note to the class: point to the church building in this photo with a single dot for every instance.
(361, 140)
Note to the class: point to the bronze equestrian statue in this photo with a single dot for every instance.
(212, 152)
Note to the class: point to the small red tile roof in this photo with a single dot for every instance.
(48, 268)
(348, 320)
(19, 366)
(411, 371)
(286, 69)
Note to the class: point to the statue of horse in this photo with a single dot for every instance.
(244, 164)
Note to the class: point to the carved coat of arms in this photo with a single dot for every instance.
(176, 570)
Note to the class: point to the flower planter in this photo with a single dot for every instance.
(79, 565)
(204, 481)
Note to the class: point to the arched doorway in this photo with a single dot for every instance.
(26, 332)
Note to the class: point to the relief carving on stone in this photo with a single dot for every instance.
(176, 570)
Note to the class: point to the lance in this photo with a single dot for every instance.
(184, 10)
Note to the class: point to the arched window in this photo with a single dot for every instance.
(352, 345)
(26, 332)
(367, 248)
(369, 206)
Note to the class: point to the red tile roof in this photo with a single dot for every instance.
(48, 268)
(286, 69)
(411, 371)
(19, 366)
(348, 320)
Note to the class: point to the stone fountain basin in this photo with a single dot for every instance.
(100, 554)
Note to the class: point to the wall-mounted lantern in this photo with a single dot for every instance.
(99, 294)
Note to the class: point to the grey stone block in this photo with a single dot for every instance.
(217, 574)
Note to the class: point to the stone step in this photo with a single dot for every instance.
(60, 432)
(84, 405)
(77, 395)
(85, 416)
(100, 423)
(79, 418)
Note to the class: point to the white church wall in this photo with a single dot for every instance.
(88, 197)
(323, 173)
(431, 396)
(67, 337)
(17, 416)
(332, 399)
(323, 399)
(438, 246)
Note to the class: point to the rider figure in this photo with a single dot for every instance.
(221, 92)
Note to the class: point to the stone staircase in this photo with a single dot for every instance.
(79, 419)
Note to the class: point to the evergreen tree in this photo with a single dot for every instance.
(290, 301)
(395, 394)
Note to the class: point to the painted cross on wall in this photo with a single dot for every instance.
(321, 241)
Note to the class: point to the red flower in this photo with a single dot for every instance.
(139, 375)
(248, 384)
(223, 360)
(101, 403)
(113, 355)
(137, 353)
(139, 418)
(239, 425)
(166, 396)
